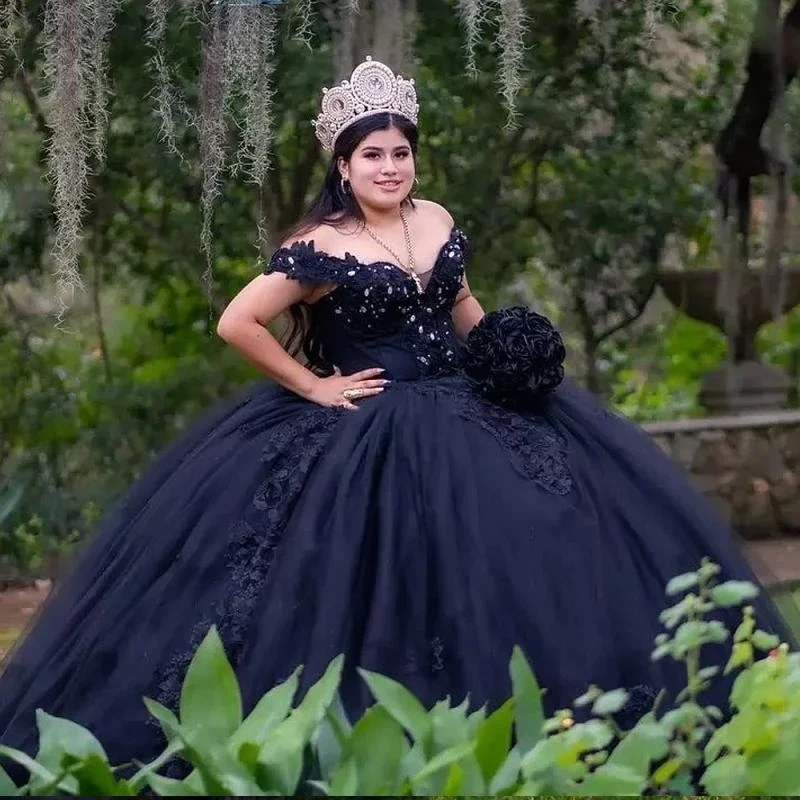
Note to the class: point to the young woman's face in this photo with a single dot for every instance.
(381, 170)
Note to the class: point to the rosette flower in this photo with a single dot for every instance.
(514, 354)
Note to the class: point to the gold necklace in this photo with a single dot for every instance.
(411, 269)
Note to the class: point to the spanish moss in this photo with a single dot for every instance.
(13, 21)
(248, 72)
(65, 28)
(511, 40)
(304, 14)
(473, 15)
(101, 22)
(213, 129)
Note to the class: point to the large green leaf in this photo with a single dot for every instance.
(220, 771)
(377, 747)
(400, 703)
(59, 736)
(494, 740)
(727, 776)
(210, 698)
(7, 787)
(330, 737)
(507, 776)
(345, 780)
(528, 708)
(443, 760)
(270, 710)
(281, 754)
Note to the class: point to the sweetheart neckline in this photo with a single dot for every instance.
(349, 258)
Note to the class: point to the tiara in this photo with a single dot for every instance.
(372, 89)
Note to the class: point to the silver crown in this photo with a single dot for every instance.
(372, 89)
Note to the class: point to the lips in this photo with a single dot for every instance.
(389, 184)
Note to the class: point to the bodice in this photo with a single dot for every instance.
(375, 316)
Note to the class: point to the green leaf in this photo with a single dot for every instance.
(610, 702)
(7, 787)
(281, 754)
(169, 787)
(345, 780)
(527, 701)
(443, 761)
(727, 776)
(330, 738)
(765, 641)
(646, 742)
(58, 736)
(733, 593)
(140, 778)
(682, 583)
(377, 746)
(35, 769)
(400, 703)
(210, 698)
(270, 710)
(494, 740)
(449, 726)
(507, 775)
(612, 780)
(169, 722)
(95, 779)
(454, 783)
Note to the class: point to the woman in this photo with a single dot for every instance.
(415, 503)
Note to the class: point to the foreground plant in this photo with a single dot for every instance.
(399, 747)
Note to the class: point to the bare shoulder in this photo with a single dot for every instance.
(433, 212)
(321, 235)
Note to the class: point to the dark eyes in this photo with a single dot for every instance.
(375, 154)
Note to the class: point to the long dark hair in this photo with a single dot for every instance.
(336, 207)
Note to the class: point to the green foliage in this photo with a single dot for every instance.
(400, 748)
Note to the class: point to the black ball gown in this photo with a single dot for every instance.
(422, 536)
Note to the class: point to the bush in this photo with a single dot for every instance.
(400, 748)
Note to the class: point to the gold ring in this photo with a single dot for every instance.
(352, 394)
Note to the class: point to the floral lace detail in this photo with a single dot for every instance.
(536, 449)
(288, 457)
(380, 300)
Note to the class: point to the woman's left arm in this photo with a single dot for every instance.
(467, 311)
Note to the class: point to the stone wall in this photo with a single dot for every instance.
(748, 465)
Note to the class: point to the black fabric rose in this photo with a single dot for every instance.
(515, 354)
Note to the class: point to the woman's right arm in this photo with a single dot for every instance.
(243, 325)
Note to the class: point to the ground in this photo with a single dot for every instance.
(775, 561)
(17, 606)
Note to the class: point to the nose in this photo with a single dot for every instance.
(388, 166)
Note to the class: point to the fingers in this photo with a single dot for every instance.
(372, 384)
(373, 372)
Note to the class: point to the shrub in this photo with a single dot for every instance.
(398, 747)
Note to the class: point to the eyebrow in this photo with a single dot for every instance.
(381, 149)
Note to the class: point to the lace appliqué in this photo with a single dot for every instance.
(536, 449)
(380, 300)
(288, 456)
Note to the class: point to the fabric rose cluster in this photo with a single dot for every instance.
(514, 355)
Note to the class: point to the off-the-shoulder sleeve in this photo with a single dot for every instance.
(303, 263)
